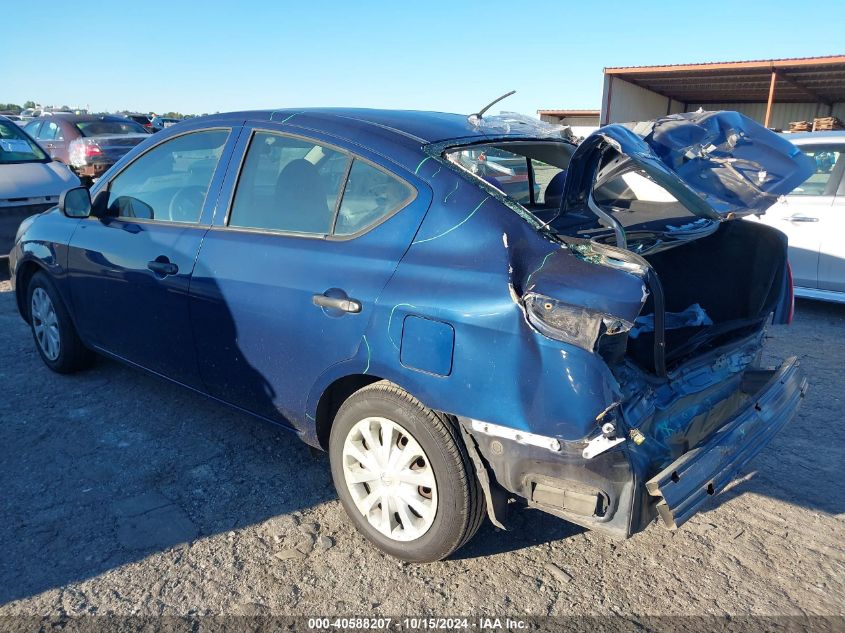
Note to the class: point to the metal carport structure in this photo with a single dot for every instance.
(772, 91)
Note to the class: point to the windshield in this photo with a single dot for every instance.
(109, 128)
(17, 147)
(530, 173)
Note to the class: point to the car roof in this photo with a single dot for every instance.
(420, 126)
(829, 136)
(82, 118)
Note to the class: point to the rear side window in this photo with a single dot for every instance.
(528, 172)
(109, 128)
(288, 184)
(370, 195)
(169, 183)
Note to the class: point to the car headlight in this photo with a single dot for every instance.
(571, 324)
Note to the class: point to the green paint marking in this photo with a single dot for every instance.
(286, 119)
(367, 368)
(464, 221)
(528, 281)
(390, 320)
(417, 170)
(437, 172)
(451, 192)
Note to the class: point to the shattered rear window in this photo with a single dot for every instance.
(530, 173)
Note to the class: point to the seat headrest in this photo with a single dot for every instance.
(554, 190)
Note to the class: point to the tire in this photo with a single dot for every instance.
(53, 331)
(445, 507)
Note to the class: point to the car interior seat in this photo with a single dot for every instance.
(554, 191)
(300, 199)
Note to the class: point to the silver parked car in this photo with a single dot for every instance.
(30, 181)
(813, 218)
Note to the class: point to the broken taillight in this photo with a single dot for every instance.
(81, 150)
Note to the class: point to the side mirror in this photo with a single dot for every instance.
(76, 202)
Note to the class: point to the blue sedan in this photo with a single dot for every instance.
(581, 339)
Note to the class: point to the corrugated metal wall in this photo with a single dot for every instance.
(782, 113)
(632, 103)
(629, 102)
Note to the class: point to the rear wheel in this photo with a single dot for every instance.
(403, 475)
(55, 335)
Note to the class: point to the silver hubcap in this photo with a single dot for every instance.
(45, 323)
(390, 479)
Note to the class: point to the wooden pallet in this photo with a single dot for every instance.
(825, 124)
(800, 126)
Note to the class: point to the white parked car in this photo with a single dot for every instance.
(813, 218)
(30, 181)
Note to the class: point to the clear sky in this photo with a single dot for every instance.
(195, 57)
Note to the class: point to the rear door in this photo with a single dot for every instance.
(130, 267)
(286, 279)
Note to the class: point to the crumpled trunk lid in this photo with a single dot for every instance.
(718, 165)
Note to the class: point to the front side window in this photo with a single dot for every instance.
(169, 183)
(31, 128)
(17, 147)
(288, 184)
(820, 183)
(370, 195)
(48, 131)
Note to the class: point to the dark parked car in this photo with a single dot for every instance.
(161, 122)
(342, 274)
(144, 120)
(30, 181)
(88, 144)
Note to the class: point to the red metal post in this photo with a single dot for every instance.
(771, 97)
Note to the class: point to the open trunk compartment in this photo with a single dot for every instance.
(736, 275)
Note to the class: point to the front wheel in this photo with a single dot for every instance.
(403, 475)
(52, 328)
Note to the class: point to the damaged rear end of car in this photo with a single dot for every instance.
(665, 296)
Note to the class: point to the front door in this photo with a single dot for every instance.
(285, 283)
(51, 138)
(130, 268)
(832, 249)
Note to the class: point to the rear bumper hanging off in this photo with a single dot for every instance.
(686, 483)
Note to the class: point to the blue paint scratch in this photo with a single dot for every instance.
(390, 320)
(464, 221)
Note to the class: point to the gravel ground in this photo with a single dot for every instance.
(123, 494)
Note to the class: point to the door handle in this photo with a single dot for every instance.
(801, 218)
(344, 304)
(162, 266)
